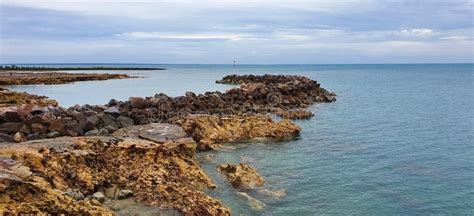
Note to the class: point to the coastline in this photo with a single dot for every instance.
(124, 127)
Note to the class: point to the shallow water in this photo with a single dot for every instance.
(398, 140)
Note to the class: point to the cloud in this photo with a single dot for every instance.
(418, 32)
(211, 31)
(171, 36)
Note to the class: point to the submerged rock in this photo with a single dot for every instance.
(253, 202)
(241, 175)
(210, 130)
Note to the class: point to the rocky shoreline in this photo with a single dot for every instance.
(50, 78)
(81, 156)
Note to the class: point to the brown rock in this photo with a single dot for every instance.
(56, 125)
(241, 175)
(37, 128)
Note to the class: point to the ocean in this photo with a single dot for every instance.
(399, 140)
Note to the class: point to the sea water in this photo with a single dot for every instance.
(399, 139)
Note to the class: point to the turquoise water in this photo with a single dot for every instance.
(399, 139)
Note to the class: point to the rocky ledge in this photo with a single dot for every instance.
(209, 131)
(28, 78)
(11, 98)
(70, 175)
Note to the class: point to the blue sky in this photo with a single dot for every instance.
(300, 31)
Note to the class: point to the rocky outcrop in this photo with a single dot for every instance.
(211, 130)
(11, 98)
(162, 172)
(241, 175)
(29, 78)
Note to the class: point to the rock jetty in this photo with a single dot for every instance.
(265, 94)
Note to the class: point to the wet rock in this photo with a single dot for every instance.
(241, 175)
(295, 114)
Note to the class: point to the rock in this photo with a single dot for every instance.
(93, 132)
(241, 175)
(160, 175)
(110, 128)
(99, 196)
(154, 132)
(19, 137)
(11, 116)
(114, 111)
(210, 130)
(6, 138)
(76, 194)
(124, 194)
(73, 128)
(138, 102)
(125, 121)
(33, 136)
(10, 127)
(53, 134)
(110, 192)
(109, 120)
(190, 94)
(37, 128)
(209, 157)
(295, 114)
(57, 125)
(93, 120)
(141, 119)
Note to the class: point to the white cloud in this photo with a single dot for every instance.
(171, 36)
(418, 32)
(455, 38)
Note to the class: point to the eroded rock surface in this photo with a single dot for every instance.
(210, 130)
(161, 174)
(241, 175)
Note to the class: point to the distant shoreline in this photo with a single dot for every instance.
(23, 68)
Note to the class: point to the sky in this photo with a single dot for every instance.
(249, 32)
